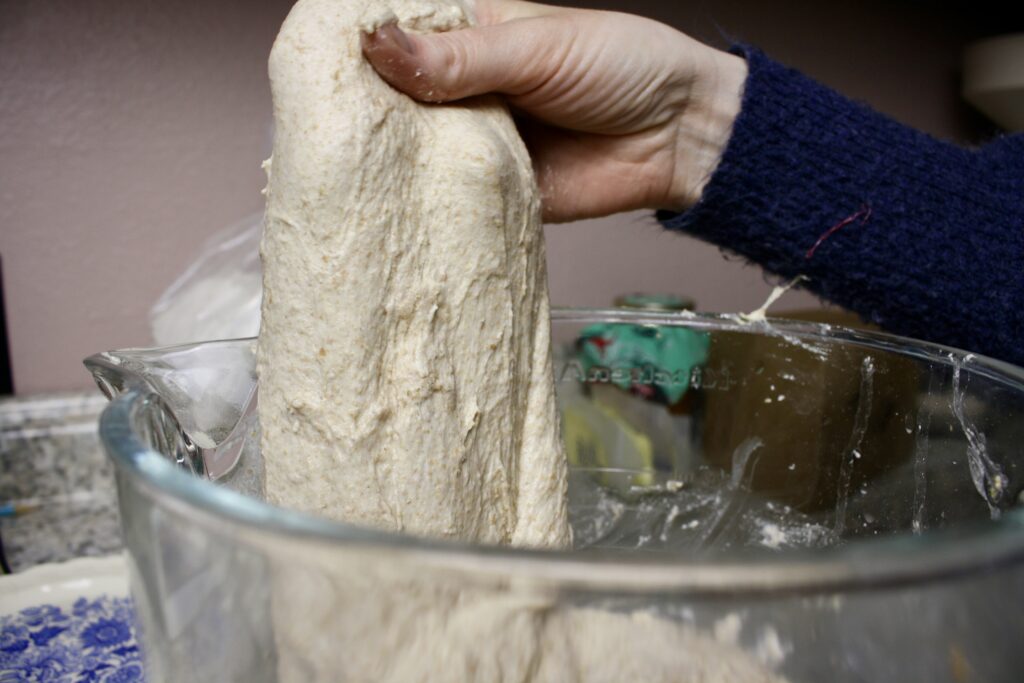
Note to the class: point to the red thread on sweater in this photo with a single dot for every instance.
(863, 214)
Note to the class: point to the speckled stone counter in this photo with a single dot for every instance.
(50, 457)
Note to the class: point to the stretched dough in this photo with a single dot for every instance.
(406, 383)
(404, 357)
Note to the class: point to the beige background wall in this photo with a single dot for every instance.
(131, 129)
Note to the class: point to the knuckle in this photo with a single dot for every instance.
(456, 59)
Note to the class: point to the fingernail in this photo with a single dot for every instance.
(392, 34)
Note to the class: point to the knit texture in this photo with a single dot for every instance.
(933, 240)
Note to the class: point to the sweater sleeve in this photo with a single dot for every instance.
(920, 236)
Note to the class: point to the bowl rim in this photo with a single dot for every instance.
(968, 550)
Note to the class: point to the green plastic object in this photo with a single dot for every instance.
(652, 361)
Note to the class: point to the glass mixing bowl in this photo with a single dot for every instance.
(749, 500)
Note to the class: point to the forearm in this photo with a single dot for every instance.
(931, 236)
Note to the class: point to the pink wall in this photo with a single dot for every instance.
(130, 130)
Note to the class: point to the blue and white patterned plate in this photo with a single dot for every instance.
(70, 621)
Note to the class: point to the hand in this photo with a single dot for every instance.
(618, 112)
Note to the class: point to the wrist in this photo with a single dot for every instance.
(704, 124)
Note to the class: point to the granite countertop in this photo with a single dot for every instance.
(50, 457)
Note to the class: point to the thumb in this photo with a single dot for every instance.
(512, 58)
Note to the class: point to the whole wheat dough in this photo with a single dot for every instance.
(404, 356)
(406, 383)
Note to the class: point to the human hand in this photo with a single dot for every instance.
(618, 112)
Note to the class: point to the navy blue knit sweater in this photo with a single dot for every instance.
(930, 236)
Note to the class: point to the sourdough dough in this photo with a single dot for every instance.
(375, 626)
(404, 356)
(406, 383)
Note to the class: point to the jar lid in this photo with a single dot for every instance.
(655, 302)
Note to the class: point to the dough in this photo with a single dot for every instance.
(442, 628)
(406, 383)
(404, 357)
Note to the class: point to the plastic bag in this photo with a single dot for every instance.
(218, 296)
